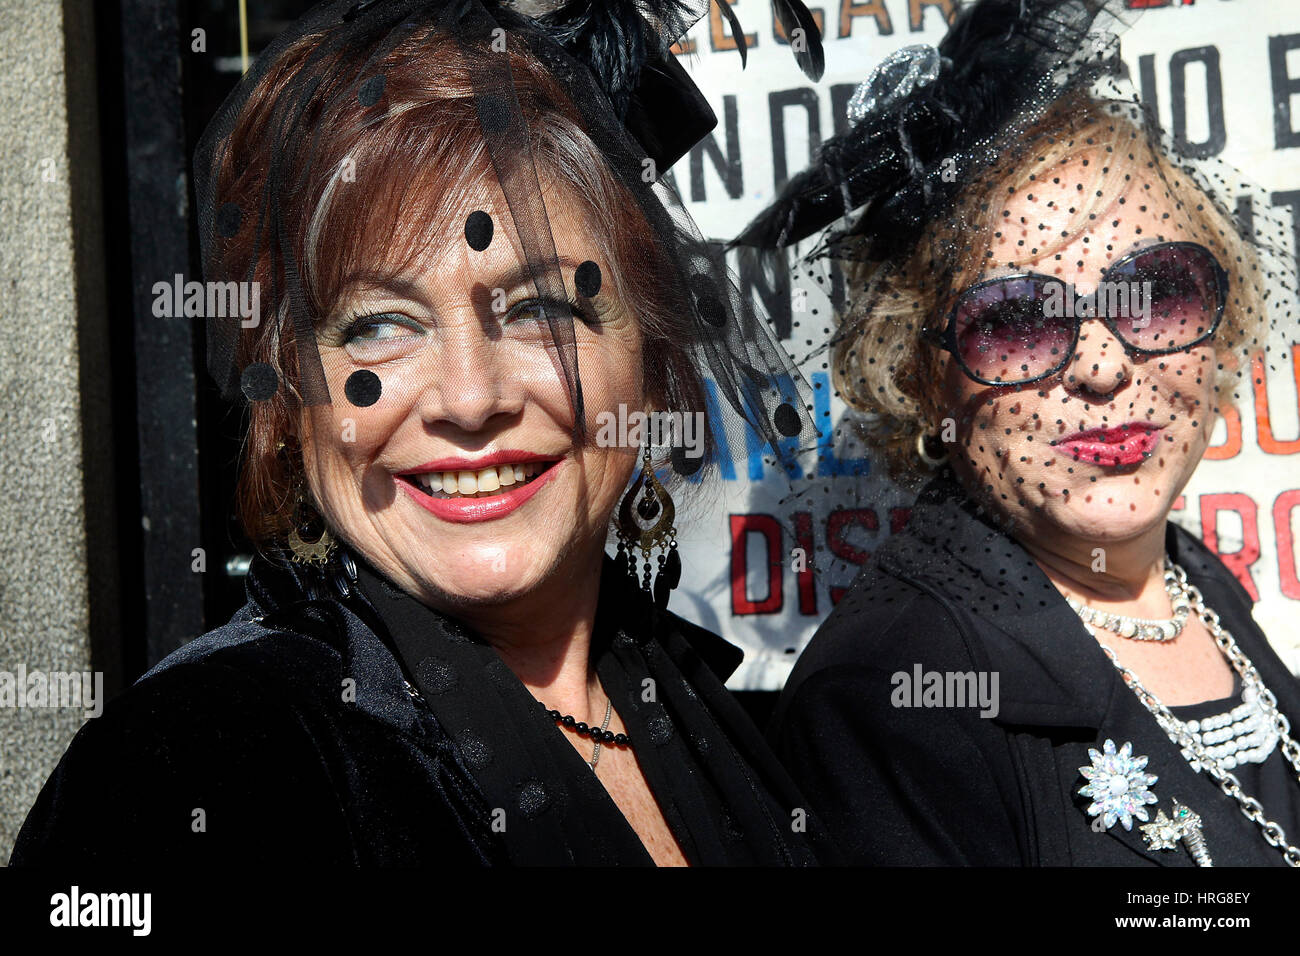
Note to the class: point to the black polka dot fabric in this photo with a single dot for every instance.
(587, 279)
(371, 91)
(532, 798)
(354, 101)
(259, 382)
(546, 803)
(786, 420)
(1041, 289)
(684, 464)
(363, 388)
(438, 675)
(478, 754)
(478, 230)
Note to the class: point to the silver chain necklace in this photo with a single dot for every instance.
(595, 750)
(600, 736)
(1179, 733)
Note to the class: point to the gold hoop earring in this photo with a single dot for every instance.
(303, 551)
(645, 522)
(923, 450)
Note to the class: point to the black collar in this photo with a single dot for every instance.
(696, 747)
(959, 554)
(275, 585)
(1051, 672)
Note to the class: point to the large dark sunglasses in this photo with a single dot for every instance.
(1018, 329)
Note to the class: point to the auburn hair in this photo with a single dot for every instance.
(382, 171)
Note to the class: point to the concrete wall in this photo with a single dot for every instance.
(56, 566)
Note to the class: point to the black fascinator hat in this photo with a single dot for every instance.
(975, 177)
(1024, 103)
(928, 119)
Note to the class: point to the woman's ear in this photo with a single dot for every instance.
(926, 383)
(1229, 358)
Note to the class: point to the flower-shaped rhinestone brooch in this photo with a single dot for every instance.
(1118, 785)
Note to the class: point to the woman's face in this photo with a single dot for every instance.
(463, 482)
(1020, 449)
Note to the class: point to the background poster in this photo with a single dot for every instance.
(1225, 73)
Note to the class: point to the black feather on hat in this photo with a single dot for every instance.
(1001, 62)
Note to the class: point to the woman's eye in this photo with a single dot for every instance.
(377, 328)
(538, 309)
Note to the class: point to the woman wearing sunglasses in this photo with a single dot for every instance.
(1049, 306)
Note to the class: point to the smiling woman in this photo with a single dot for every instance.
(453, 211)
(407, 269)
(1017, 175)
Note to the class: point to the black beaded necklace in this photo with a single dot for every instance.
(599, 735)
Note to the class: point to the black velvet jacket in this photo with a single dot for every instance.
(336, 720)
(943, 785)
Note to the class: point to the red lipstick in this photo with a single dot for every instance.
(1113, 446)
(471, 510)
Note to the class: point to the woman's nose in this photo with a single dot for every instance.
(470, 380)
(1100, 365)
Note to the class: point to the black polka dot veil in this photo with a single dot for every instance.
(986, 194)
(333, 71)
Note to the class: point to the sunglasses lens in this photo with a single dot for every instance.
(1003, 333)
(1176, 290)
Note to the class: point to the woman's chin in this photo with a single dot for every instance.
(1099, 513)
(484, 579)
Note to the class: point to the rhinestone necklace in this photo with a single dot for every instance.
(1141, 628)
(1201, 757)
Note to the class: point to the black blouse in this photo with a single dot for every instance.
(902, 780)
(722, 793)
(335, 720)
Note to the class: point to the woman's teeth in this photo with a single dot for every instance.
(474, 484)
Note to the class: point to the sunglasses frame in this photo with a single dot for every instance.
(947, 339)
